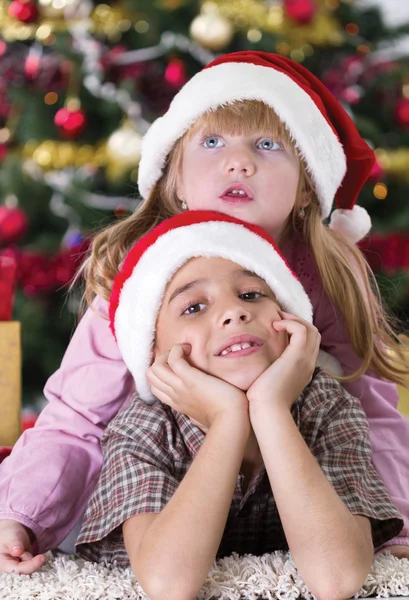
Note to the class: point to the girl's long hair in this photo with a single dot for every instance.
(346, 276)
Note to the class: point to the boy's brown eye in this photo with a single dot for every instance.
(193, 308)
(251, 295)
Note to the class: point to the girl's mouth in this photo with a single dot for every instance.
(237, 193)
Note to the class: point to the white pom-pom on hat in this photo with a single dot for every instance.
(354, 223)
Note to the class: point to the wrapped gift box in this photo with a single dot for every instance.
(10, 382)
(10, 357)
(403, 401)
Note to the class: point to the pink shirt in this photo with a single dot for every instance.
(47, 480)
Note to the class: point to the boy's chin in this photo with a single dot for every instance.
(244, 377)
(242, 381)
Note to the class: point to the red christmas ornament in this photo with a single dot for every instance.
(402, 112)
(70, 123)
(301, 11)
(26, 12)
(32, 67)
(13, 225)
(352, 95)
(175, 73)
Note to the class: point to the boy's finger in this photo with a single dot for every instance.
(311, 331)
(290, 326)
(159, 383)
(165, 374)
(164, 398)
(291, 316)
(285, 315)
(187, 348)
(297, 332)
(162, 359)
(178, 363)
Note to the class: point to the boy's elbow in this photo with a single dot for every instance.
(158, 586)
(163, 590)
(341, 586)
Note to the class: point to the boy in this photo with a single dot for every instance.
(250, 449)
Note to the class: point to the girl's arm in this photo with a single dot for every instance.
(172, 553)
(331, 547)
(46, 482)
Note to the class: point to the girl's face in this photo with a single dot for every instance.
(225, 313)
(253, 177)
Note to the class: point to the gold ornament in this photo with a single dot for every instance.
(57, 9)
(395, 162)
(123, 149)
(51, 154)
(210, 29)
(270, 16)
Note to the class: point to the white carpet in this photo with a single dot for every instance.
(268, 577)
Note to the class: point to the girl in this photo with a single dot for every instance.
(256, 136)
(286, 460)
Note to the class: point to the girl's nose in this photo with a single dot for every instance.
(240, 162)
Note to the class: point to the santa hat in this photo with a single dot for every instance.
(139, 287)
(336, 157)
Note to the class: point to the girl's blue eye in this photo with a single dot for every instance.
(268, 144)
(193, 308)
(212, 142)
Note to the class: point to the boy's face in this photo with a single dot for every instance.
(225, 313)
(267, 171)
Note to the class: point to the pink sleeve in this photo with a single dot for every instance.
(47, 480)
(389, 430)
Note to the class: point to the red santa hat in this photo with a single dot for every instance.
(139, 287)
(336, 157)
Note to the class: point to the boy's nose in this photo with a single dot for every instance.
(234, 316)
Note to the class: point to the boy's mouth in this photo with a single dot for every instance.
(236, 193)
(239, 345)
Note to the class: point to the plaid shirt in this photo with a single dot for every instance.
(148, 450)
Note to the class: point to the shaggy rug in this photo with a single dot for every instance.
(267, 577)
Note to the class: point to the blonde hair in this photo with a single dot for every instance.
(345, 274)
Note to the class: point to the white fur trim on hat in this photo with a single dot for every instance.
(353, 223)
(142, 293)
(317, 143)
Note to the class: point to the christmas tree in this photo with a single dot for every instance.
(81, 81)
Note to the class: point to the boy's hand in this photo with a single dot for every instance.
(192, 392)
(16, 550)
(287, 377)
